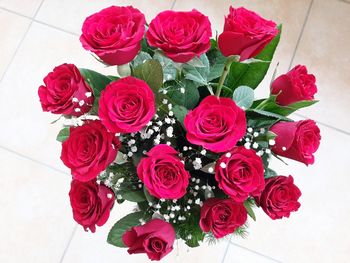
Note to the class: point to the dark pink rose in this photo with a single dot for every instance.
(240, 173)
(280, 197)
(155, 238)
(65, 92)
(296, 85)
(222, 216)
(297, 140)
(217, 124)
(163, 173)
(114, 34)
(89, 150)
(245, 33)
(180, 35)
(126, 105)
(91, 203)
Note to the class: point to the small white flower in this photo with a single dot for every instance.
(250, 129)
(272, 142)
(210, 169)
(81, 103)
(109, 196)
(223, 165)
(75, 100)
(88, 94)
(284, 148)
(228, 155)
(255, 145)
(77, 110)
(182, 90)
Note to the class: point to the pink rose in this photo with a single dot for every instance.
(180, 35)
(89, 150)
(163, 173)
(240, 173)
(114, 34)
(66, 92)
(245, 34)
(126, 105)
(280, 197)
(296, 85)
(91, 203)
(297, 140)
(155, 238)
(217, 124)
(222, 216)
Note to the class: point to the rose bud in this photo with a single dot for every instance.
(163, 173)
(126, 105)
(297, 140)
(245, 33)
(294, 86)
(65, 92)
(91, 203)
(155, 238)
(280, 197)
(89, 150)
(180, 35)
(114, 34)
(222, 216)
(240, 173)
(217, 124)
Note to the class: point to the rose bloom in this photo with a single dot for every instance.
(65, 92)
(222, 216)
(296, 85)
(114, 34)
(163, 173)
(245, 33)
(217, 124)
(280, 197)
(240, 173)
(180, 35)
(155, 238)
(297, 140)
(126, 105)
(91, 203)
(89, 150)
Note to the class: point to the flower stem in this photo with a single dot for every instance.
(223, 77)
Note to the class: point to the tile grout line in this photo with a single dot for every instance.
(173, 5)
(226, 250)
(68, 243)
(255, 252)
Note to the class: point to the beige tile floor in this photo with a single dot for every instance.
(36, 223)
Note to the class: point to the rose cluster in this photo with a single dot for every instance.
(175, 134)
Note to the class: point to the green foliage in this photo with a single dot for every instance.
(269, 114)
(217, 64)
(269, 173)
(169, 69)
(198, 73)
(242, 74)
(148, 196)
(189, 99)
(151, 72)
(141, 58)
(63, 134)
(180, 113)
(243, 96)
(249, 204)
(133, 196)
(119, 228)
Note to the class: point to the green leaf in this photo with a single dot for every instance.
(63, 135)
(97, 82)
(180, 113)
(133, 196)
(148, 196)
(198, 74)
(189, 99)
(249, 207)
(269, 173)
(252, 74)
(119, 228)
(217, 65)
(269, 114)
(141, 58)
(243, 96)
(151, 71)
(169, 69)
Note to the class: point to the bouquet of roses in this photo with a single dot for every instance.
(177, 130)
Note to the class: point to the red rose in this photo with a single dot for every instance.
(88, 150)
(296, 85)
(65, 92)
(217, 124)
(240, 173)
(126, 105)
(222, 216)
(91, 203)
(245, 33)
(163, 173)
(280, 197)
(180, 35)
(114, 34)
(297, 140)
(155, 238)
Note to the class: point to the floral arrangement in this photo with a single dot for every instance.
(177, 130)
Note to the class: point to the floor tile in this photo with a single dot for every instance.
(12, 36)
(87, 247)
(319, 231)
(25, 128)
(324, 48)
(36, 220)
(24, 7)
(239, 254)
(70, 15)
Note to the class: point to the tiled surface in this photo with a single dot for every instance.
(35, 214)
(319, 232)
